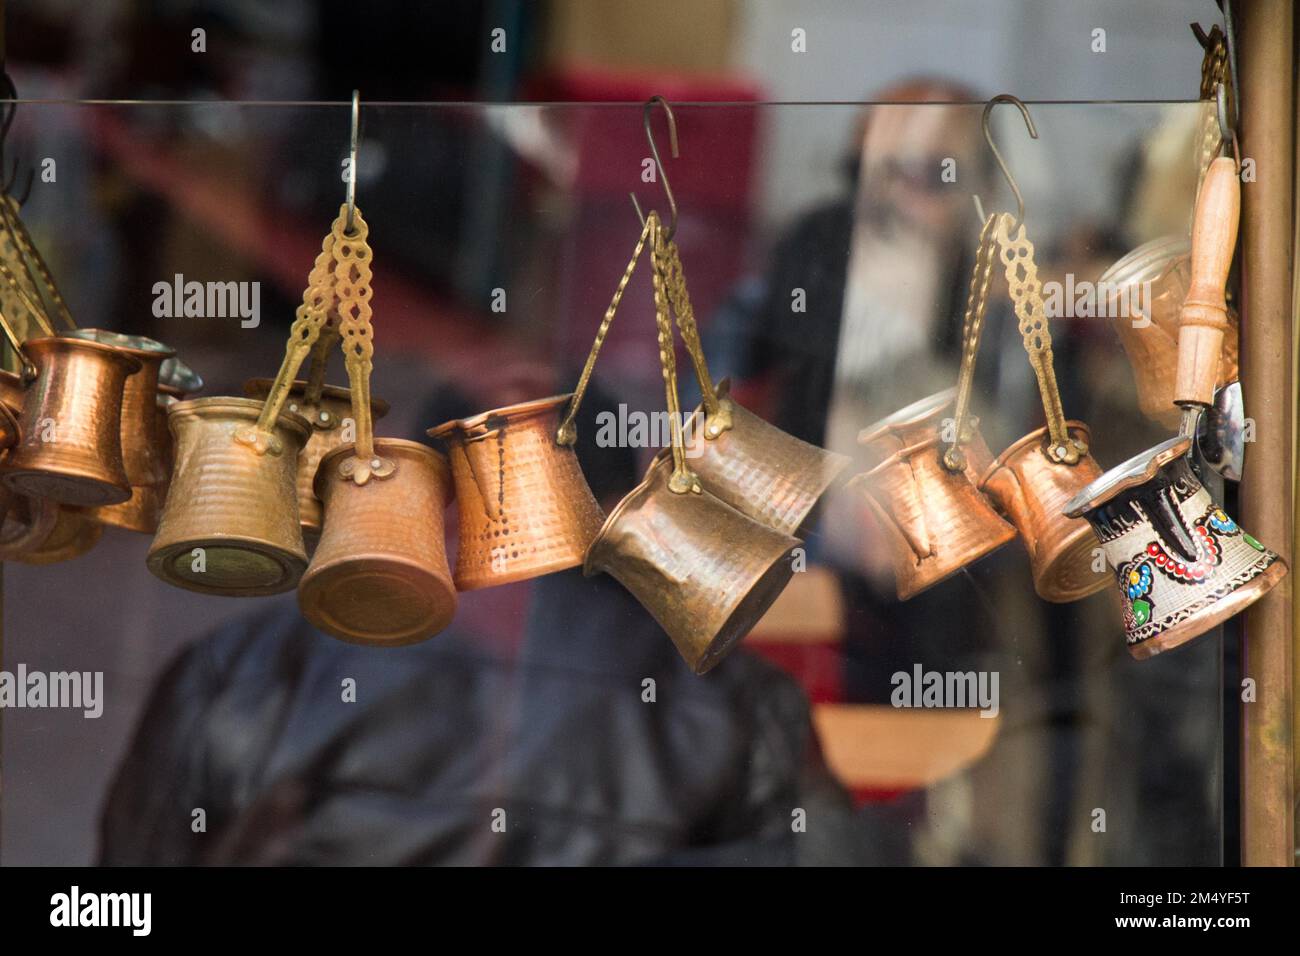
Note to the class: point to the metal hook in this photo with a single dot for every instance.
(352, 160)
(659, 165)
(997, 155)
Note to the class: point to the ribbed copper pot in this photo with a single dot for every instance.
(327, 433)
(25, 522)
(758, 469)
(702, 569)
(379, 574)
(936, 521)
(70, 448)
(1031, 489)
(230, 524)
(525, 508)
(143, 455)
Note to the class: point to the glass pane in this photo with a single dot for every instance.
(828, 250)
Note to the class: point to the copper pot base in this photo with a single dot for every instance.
(233, 567)
(410, 603)
(1234, 603)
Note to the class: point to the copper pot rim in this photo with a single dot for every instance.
(918, 411)
(1137, 471)
(398, 446)
(1148, 261)
(260, 387)
(48, 343)
(139, 346)
(1037, 436)
(246, 408)
(535, 406)
(177, 379)
(439, 593)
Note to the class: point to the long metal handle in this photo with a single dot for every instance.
(567, 433)
(954, 459)
(682, 480)
(1027, 295)
(28, 252)
(668, 261)
(352, 299)
(317, 301)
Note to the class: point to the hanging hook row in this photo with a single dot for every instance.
(659, 165)
(997, 155)
(352, 160)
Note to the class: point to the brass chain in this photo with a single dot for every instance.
(567, 433)
(954, 459)
(1027, 295)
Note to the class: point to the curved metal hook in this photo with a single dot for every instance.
(997, 155)
(352, 159)
(659, 165)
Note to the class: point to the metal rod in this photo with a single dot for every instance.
(1267, 126)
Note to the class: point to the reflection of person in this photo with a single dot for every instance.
(587, 741)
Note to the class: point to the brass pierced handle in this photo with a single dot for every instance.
(1027, 295)
(682, 480)
(317, 302)
(567, 433)
(954, 458)
(668, 261)
(352, 297)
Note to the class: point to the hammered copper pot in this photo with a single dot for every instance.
(758, 469)
(70, 449)
(702, 569)
(1031, 490)
(525, 508)
(327, 433)
(143, 455)
(1150, 338)
(230, 524)
(935, 521)
(379, 574)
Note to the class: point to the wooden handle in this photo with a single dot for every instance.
(1204, 316)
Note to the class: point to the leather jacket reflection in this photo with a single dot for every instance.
(561, 752)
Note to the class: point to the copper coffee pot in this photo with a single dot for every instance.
(379, 575)
(705, 571)
(750, 464)
(934, 518)
(1032, 480)
(25, 522)
(326, 407)
(525, 507)
(144, 456)
(71, 446)
(230, 525)
(925, 499)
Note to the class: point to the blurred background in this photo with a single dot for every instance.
(813, 138)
